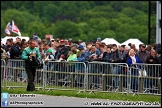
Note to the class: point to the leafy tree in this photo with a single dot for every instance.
(50, 11)
(117, 19)
(66, 29)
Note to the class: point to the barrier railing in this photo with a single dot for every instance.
(108, 77)
(16, 76)
(145, 78)
(89, 76)
(3, 66)
(65, 76)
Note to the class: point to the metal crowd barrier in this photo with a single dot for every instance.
(108, 77)
(3, 66)
(16, 76)
(65, 76)
(145, 78)
(89, 76)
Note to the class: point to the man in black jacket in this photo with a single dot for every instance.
(62, 50)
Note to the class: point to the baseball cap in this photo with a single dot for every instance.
(80, 47)
(61, 40)
(35, 38)
(99, 39)
(74, 45)
(143, 45)
(49, 50)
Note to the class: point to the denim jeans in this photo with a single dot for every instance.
(134, 80)
(116, 70)
(95, 79)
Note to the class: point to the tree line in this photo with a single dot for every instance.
(84, 20)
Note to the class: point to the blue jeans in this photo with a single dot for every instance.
(95, 79)
(116, 70)
(134, 81)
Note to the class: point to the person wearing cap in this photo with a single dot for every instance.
(47, 46)
(62, 50)
(98, 39)
(74, 47)
(143, 54)
(49, 56)
(83, 56)
(35, 37)
(70, 40)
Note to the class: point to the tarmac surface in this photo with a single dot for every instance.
(36, 100)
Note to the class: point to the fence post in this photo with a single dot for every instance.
(120, 83)
(42, 77)
(140, 84)
(15, 74)
(89, 78)
(159, 85)
(72, 79)
(2, 72)
(57, 74)
(103, 82)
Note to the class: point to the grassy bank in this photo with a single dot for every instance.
(105, 95)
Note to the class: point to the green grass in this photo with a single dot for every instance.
(99, 95)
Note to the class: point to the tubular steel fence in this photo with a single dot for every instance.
(85, 76)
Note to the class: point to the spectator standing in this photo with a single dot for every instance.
(132, 61)
(143, 54)
(62, 50)
(116, 58)
(152, 70)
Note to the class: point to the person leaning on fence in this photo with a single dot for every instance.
(83, 57)
(28, 54)
(94, 68)
(125, 69)
(132, 60)
(116, 58)
(152, 69)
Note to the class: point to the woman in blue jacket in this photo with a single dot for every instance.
(132, 62)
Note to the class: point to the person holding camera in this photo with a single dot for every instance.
(30, 54)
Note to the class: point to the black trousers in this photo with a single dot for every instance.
(31, 76)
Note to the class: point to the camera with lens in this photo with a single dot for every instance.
(37, 62)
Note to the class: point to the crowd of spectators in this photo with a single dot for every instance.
(94, 50)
